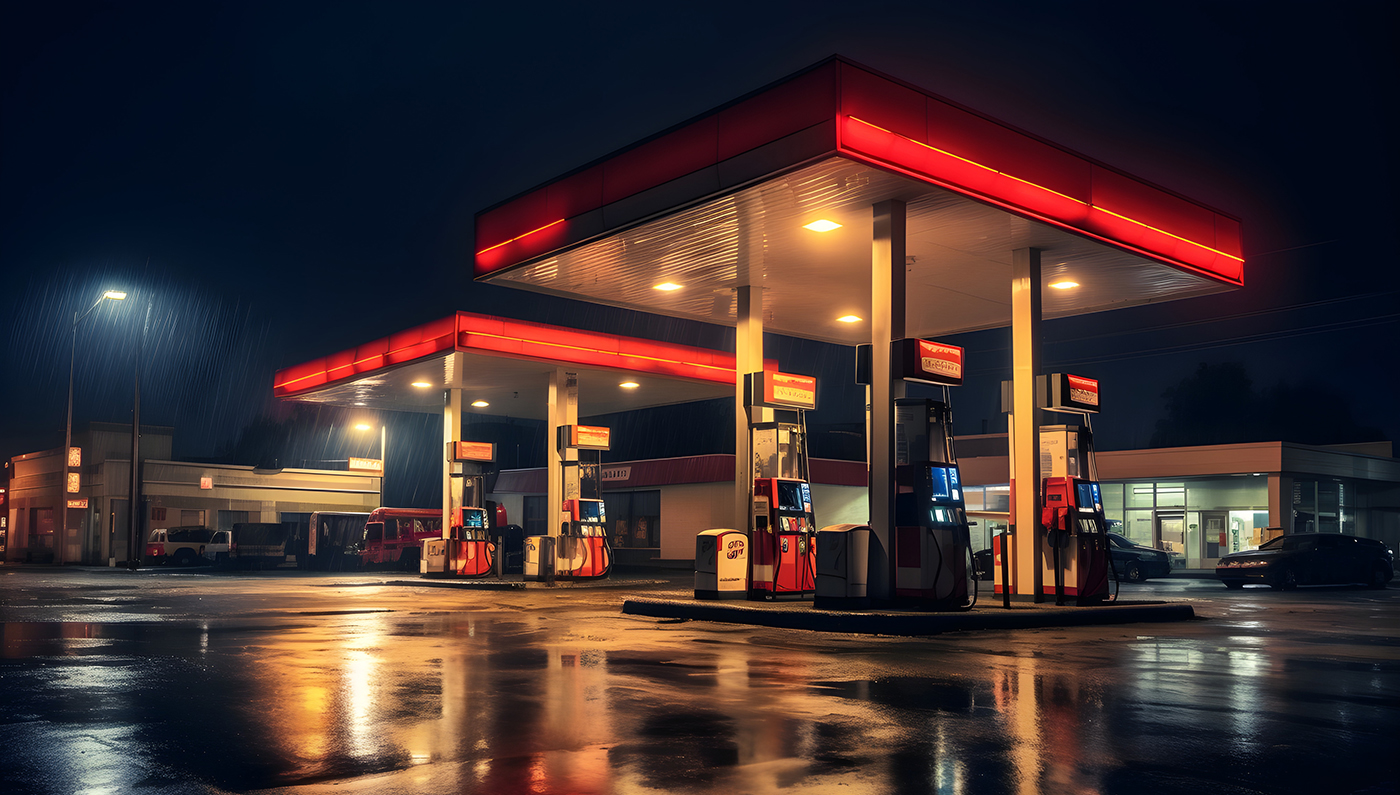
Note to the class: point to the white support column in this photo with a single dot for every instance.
(887, 295)
(1025, 423)
(748, 358)
(451, 432)
(563, 410)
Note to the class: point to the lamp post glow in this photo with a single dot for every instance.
(68, 464)
(383, 454)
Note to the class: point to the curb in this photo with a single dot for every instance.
(866, 623)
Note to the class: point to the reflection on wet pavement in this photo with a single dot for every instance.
(505, 697)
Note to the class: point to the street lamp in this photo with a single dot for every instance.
(113, 295)
(383, 454)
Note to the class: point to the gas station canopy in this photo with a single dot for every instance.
(674, 223)
(506, 365)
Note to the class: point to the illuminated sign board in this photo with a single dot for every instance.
(471, 451)
(373, 465)
(929, 362)
(75, 456)
(206, 483)
(585, 437)
(1072, 393)
(77, 503)
(74, 482)
(782, 390)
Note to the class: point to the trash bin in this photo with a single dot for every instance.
(539, 559)
(843, 567)
(721, 564)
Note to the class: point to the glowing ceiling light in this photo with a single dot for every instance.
(629, 384)
(363, 427)
(115, 295)
(822, 225)
(480, 404)
(1065, 285)
(666, 287)
(848, 319)
(422, 384)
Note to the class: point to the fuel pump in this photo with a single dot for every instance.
(784, 555)
(583, 551)
(1076, 566)
(932, 540)
(469, 550)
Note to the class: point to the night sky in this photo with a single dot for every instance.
(280, 181)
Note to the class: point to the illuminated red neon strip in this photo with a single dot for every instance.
(1081, 202)
(605, 357)
(517, 237)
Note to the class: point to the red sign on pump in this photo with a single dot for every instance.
(471, 451)
(937, 363)
(783, 390)
(584, 437)
(1083, 391)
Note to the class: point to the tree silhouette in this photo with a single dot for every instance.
(1218, 404)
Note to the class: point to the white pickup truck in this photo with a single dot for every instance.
(184, 546)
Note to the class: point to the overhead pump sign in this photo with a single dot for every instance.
(471, 451)
(1073, 393)
(585, 437)
(933, 362)
(772, 389)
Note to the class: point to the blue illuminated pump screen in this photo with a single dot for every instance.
(474, 519)
(590, 511)
(1089, 497)
(790, 495)
(945, 484)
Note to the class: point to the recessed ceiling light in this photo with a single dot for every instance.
(422, 384)
(848, 319)
(629, 384)
(362, 427)
(822, 225)
(666, 286)
(1065, 285)
(481, 404)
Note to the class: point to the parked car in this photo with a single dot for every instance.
(250, 545)
(181, 546)
(1310, 559)
(1133, 562)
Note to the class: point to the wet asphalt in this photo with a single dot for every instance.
(189, 682)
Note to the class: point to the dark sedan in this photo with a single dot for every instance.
(1136, 562)
(1310, 559)
(1133, 562)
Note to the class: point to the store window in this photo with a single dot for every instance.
(634, 519)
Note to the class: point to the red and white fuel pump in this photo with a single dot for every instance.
(467, 549)
(1075, 565)
(583, 551)
(783, 527)
(1074, 559)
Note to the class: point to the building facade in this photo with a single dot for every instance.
(1197, 503)
(172, 494)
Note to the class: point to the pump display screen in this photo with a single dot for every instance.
(793, 495)
(1089, 499)
(475, 519)
(944, 485)
(590, 511)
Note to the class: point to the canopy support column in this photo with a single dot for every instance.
(451, 433)
(748, 358)
(887, 324)
(563, 410)
(1025, 424)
